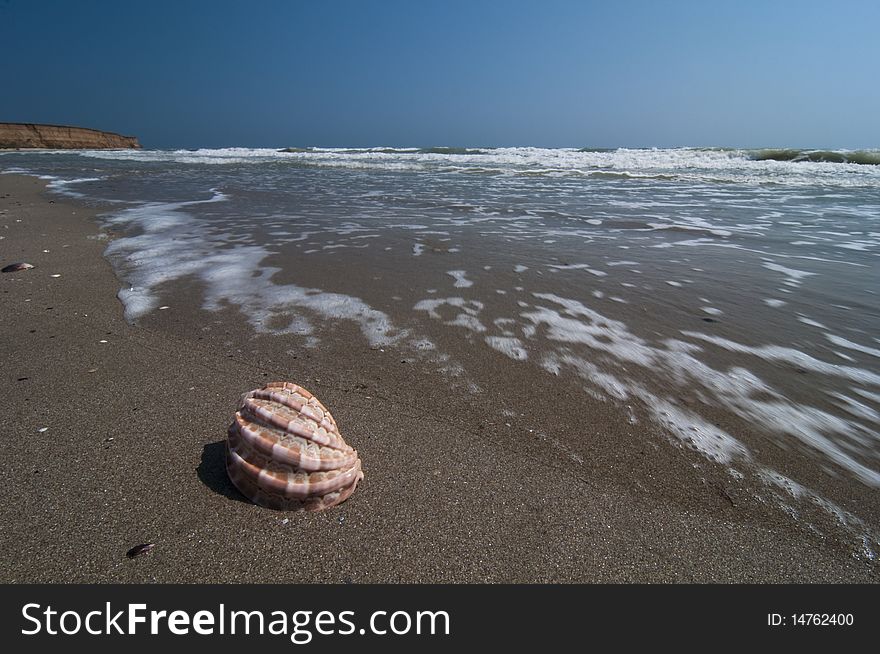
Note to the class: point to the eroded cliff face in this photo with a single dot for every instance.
(55, 137)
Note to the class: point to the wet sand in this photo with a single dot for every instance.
(563, 488)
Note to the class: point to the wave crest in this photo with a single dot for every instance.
(794, 155)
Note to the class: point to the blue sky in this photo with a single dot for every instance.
(548, 73)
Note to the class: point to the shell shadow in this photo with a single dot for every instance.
(212, 472)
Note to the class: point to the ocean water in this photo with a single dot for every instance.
(681, 284)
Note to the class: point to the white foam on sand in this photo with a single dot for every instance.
(792, 357)
(577, 323)
(842, 342)
(793, 277)
(701, 227)
(810, 321)
(460, 280)
(169, 244)
(62, 186)
(466, 312)
(612, 346)
(468, 322)
(856, 408)
(868, 395)
(844, 518)
(845, 442)
(511, 346)
(579, 266)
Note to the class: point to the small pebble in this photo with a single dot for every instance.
(42, 430)
(137, 550)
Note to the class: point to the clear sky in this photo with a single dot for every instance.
(553, 73)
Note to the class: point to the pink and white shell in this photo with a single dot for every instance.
(284, 451)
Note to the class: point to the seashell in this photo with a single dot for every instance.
(17, 267)
(284, 451)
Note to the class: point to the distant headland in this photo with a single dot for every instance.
(56, 137)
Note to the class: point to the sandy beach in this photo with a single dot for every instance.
(114, 437)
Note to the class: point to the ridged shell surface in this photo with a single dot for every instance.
(284, 451)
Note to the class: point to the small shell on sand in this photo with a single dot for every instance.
(284, 451)
(17, 267)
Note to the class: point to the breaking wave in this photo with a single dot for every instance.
(861, 157)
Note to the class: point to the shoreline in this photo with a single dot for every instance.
(133, 454)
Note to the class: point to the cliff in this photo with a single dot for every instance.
(56, 137)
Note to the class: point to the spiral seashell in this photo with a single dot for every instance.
(284, 451)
